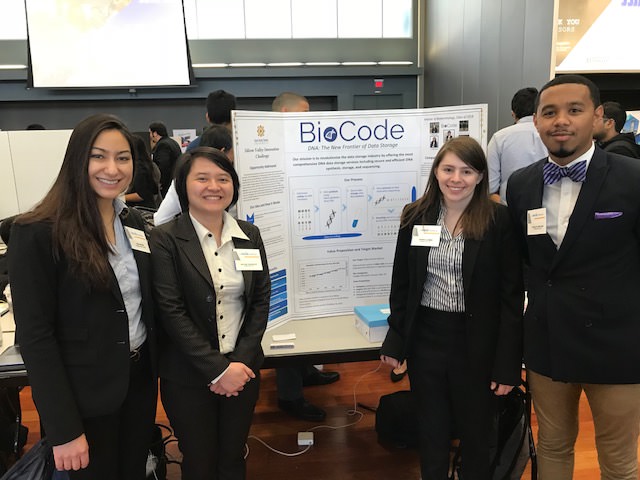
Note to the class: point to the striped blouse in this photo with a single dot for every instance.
(443, 289)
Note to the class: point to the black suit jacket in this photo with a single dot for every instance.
(582, 323)
(186, 303)
(493, 294)
(74, 339)
(165, 154)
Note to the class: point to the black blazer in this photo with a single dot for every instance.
(582, 323)
(165, 154)
(493, 294)
(74, 339)
(186, 303)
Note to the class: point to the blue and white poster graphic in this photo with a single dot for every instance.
(327, 190)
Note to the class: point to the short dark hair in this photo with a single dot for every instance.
(213, 155)
(217, 136)
(594, 92)
(219, 106)
(159, 128)
(35, 126)
(615, 112)
(523, 102)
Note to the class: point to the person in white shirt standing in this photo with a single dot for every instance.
(515, 146)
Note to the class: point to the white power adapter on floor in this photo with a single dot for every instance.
(305, 439)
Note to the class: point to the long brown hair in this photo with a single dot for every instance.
(479, 213)
(71, 205)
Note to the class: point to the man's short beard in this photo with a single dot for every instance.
(562, 153)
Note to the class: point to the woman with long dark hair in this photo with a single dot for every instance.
(456, 309)
(145, 188)
(81, 288)
(212, 287)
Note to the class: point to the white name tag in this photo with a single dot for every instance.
(537, 221)
(426, 235)
(137, 239)
(247, 259)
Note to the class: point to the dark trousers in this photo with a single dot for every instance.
(211, 429)
(453, 402)
(119, 443)
(289, 381)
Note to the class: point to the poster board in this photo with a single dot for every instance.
(30, 161)
(8, 194)
(327, 189)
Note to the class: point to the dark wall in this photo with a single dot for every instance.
(185, 107)
(483, 51)
(622, 87)
(138, 114)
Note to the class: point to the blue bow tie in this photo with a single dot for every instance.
(552, 173)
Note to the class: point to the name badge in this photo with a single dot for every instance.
(137, 239)
(537, 221)
(247, 259)
(426, 235)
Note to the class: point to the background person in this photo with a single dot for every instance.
(456, 308)
(608, 132)
(164, 151)
(145, 188)
(214, 313)
(515, 146)
(219, 105)
(81, 290)
(291, 380)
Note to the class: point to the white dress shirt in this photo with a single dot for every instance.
(559, 200)
(510, 149)
(228, 283)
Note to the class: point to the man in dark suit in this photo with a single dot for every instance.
(164, 151)
(578, 216)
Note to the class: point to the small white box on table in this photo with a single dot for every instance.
(371, 321)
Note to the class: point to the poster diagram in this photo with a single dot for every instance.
(327, 190)
(348, 212)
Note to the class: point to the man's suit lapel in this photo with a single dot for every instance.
(190, 246)
(584, 207)
(532, 200)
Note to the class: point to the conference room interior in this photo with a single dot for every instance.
(459, 53)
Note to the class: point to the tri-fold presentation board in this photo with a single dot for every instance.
(327, 190)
